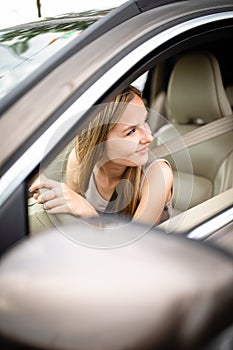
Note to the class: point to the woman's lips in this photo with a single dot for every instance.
(143, 150)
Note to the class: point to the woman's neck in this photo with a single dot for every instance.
(111, 171)
(107, 176)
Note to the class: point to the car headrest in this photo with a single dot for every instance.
(62, 290)
(195, 90)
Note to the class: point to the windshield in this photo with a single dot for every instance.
(24, 48)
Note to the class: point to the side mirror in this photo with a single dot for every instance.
(159, 292)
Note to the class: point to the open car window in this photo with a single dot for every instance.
(172, 107)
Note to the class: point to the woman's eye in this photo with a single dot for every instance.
(131, 131)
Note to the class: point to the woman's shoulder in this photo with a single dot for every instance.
(158, 171)
(160, 162)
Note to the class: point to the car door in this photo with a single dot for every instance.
(90, 72)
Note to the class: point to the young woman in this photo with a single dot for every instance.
(107, 171)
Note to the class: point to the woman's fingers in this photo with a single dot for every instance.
(53, 203)
(61, 209)
(45, 196)
(57, 206)
(53, 200)
(43, 182)
(36, 195)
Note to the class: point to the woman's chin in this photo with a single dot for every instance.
(139, 160)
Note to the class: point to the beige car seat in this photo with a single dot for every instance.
(157, 97)
(196, 96)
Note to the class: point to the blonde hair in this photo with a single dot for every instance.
(89, 146)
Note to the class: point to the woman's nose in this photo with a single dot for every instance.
(146, 135)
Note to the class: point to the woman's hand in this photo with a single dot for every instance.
(58, 198)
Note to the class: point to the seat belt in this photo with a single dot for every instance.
(191, 138)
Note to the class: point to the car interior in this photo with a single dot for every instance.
(196, 96)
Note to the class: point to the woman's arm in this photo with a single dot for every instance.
(155, 193)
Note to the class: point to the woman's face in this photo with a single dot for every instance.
(127, 143)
